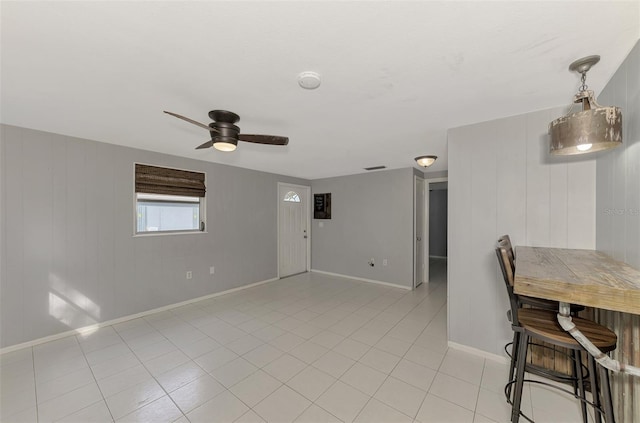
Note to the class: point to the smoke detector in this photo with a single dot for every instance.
(309, 80)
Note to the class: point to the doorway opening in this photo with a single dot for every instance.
(430, 229)
(438, 227)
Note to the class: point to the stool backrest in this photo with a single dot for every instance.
(508, 272)
(506, 241)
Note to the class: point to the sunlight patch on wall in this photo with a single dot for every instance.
(72, 308)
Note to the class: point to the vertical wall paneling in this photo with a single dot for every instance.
(37, 230)
(13, 251)
(511, 202)
(72, 293)
(580, 204)
(501, 181)
(617, 221)
(3, 275)
(483, 230)
(459, 272)
(539, 183)
(104, 210)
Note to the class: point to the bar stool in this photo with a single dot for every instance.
(538, 303)
(530, 325)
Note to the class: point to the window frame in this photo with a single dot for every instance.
(202, 206)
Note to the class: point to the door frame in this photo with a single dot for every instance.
(425, 230)
(307, 190)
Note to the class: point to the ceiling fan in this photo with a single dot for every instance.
(225, 135)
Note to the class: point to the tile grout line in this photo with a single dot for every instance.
(152, 375)
(80, 387)
(401, 358)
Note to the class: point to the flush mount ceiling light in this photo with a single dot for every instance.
(309, 80)
(593, 129)
(425, 161)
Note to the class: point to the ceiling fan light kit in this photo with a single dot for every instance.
(225, 146)
(595, 128)
(425, 161)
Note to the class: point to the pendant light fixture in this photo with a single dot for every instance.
(595, 128)
(425, 161)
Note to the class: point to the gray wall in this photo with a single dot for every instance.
(68, 255)
(438, 219)
(618, 219)
(503, 181)
(371, 216)
(618, 186)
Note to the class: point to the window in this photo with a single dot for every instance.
(292, 197)
(169, 200)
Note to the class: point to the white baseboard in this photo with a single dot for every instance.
(91, 328)
(408, 288)
(480, 353)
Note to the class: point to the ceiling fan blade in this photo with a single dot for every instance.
(202, 125)
(264, 139)
(205, 145)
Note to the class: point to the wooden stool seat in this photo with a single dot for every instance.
(544, 324)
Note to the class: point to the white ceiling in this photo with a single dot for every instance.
(395, 75)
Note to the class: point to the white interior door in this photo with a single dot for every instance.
(293, 211)
(421, 238)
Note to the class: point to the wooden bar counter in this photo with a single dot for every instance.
(612, 291)
(586, 277)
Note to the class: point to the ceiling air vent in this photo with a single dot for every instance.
(375, 168)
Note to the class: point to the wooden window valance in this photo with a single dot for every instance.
(162, 180)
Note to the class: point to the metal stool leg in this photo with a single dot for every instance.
(606, 395)
(514, 355)
(574, 370)
(595, 389)
(521, 363)
(579, 384)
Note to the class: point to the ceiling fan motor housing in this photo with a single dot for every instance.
(225, 132)
(223, 116)
(223, 123)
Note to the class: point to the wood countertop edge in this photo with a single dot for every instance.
(597, 296)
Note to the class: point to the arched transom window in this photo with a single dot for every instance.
(292, 197)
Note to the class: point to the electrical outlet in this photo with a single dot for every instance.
(385, 262)
(189, 274)
(212, 270)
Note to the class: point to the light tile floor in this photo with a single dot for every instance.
(309, 348)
